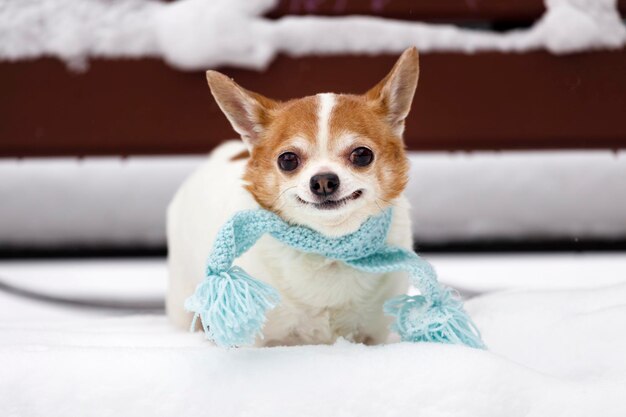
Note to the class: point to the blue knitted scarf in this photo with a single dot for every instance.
(232, 304)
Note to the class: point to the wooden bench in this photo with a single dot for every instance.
(530, 100)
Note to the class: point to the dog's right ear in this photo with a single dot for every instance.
(247, 112)
(394, 94)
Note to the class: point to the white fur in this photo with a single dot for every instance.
(326, 105)
(321, 299)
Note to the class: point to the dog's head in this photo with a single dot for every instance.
(327, 161)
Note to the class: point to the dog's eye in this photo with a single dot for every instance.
(362, 156)
(288, 161)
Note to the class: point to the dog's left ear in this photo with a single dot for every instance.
(247, 112)
(394, 94)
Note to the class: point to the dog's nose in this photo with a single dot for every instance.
(324, 184)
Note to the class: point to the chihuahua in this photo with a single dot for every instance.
(327, 162)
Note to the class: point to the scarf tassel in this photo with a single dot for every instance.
(231, 306)
(443, 320)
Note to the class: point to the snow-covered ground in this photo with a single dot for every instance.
(554, 325)
(200, 34)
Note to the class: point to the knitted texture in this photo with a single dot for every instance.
(232, 305)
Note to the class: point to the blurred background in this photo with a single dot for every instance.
(518, 176)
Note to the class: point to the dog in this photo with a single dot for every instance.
(327, 162)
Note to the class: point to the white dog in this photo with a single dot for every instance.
(327, 162)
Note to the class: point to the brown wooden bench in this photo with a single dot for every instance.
(464, 102)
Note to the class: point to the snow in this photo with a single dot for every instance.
(200, 34)
(90, 279)
(455, 197)
(518, 195)
(65, 201)
(552, 352)
(531, 271)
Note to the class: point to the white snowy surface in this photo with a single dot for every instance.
(455, 196)
(100, 201)
(123, 279)
(548, 271)
(199, 34)
(465, 196)
(552, 352)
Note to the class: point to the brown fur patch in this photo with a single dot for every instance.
(295, 118)
(367, 119)
(355, 114)
(240, 156)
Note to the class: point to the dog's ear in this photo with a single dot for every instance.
(394, 94)
(247, 112)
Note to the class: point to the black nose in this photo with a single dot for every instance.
(324, 184)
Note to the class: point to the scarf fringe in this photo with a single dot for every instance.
(232, 307)
(443, 320)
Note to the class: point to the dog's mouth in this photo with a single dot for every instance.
(329, 204)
